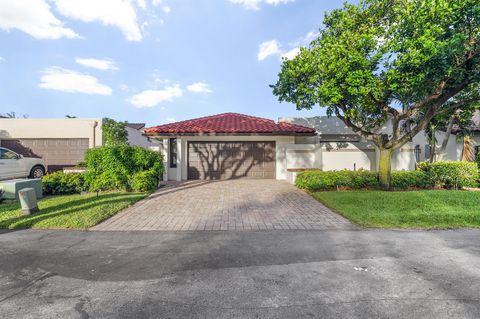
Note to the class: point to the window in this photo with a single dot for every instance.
(428, 151)
(7, 154)
(173, 152)
(417, 151)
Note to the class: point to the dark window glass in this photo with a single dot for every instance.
(418, 151)
(173, 152)
(7, 154)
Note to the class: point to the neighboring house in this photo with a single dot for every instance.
(60, 142)
(336, 146)
(232, 145)
(136, 137)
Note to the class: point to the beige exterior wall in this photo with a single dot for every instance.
(52, 128)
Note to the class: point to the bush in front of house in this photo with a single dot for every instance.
(411, 179)
(452, 174)
(123, 167)
(60, 183)
(325, 180)
(144, 181)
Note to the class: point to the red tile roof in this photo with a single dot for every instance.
(232, 123)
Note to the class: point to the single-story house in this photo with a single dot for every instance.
(60, 142)
(228, 145)
(233, 145)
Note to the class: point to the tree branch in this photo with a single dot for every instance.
(429, 114)
(350, 124)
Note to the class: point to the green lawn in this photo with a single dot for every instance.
(68, 211)
(412, 209)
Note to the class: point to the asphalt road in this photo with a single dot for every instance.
(270, 274)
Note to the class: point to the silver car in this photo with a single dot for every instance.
(13, 165)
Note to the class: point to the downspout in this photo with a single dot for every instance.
(95, 124)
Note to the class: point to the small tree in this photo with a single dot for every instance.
(402, 61)
(114, 133)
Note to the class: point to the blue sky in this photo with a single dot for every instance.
(152, 61)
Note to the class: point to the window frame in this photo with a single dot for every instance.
(173, 152)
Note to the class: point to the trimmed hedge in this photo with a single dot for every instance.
(324, 180)
(429, 175)
(411, 179)
(452, 174)
(123, 167)
(60, 183)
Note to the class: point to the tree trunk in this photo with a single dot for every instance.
(385, 168)
(441, 153)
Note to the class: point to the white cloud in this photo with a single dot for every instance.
(166, 9)
(199, 87)
(100, 64)
(150, 98)
(141, 4)
(2, 59)
(33, 17)
(72, 81)
(157, 2)
(291, 54)
(170, 120)
(117, 13)
(255, 4)
(267, 49)
(309, 37)
(273, 47)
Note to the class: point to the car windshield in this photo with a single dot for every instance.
(7, 154)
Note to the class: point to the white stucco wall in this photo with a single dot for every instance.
(52, 128)
(136, 137)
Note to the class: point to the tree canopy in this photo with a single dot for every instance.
(400, 60)
(114, 133)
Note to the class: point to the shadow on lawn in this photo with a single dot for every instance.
(67, 208)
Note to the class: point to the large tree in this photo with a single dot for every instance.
(403, 61)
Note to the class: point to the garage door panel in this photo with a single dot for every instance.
(226, 160)
(57, 153)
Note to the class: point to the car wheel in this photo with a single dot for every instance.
(37, 172)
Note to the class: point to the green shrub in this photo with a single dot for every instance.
(114, 167)
(60, 183)
(411, 179)
(452, 174)
(144, 181)
(81, 164)
(324, 180)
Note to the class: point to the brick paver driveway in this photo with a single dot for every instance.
(227, 205)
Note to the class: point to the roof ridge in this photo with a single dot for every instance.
(229, 122)
(216, 116)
